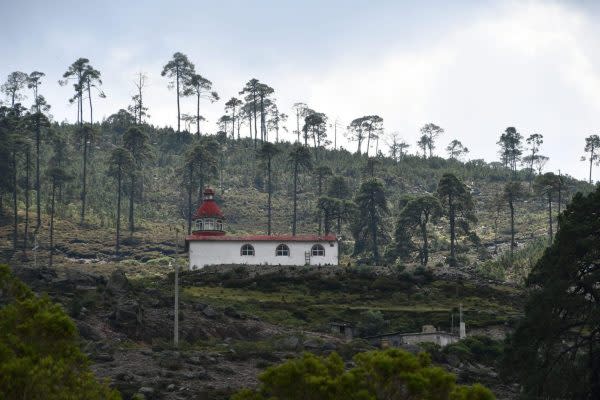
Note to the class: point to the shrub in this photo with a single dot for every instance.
(389, 374)
(39, 353)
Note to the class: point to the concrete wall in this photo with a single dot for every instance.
(441, 338)
(203, 253)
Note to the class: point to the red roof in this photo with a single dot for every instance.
(264, 238)
(209, 207)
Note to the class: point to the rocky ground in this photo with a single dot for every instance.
(127, 331)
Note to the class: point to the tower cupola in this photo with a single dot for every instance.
(208, 220)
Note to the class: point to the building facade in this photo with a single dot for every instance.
(210, 245)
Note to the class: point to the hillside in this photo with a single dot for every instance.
(236, 321)
(240, 181)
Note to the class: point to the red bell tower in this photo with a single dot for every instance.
(208, 220)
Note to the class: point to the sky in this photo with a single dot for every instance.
(471, 67)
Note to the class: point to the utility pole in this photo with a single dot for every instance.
(176, 322)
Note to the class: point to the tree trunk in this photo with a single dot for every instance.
(425, 250)
(190, 190)
(27, 162)
(298, 124)
(319, 191)
(15, 215)
(295, 199)
(131, 205)
(255, 125)
(90, 101)
(452, 216)
(233, 123)
(178, 108)
(118, 214)
(262, 119)
(37, 171)
(591, 163)
(52, 223)
(198, 114)
(512, 227)
(84, 177)
(270, 189)
(368, 142)
(373, 224)
(550, 233)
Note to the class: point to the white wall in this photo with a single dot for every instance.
(203, 253)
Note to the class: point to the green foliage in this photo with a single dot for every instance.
(371, 323)
(517, 266)
(554, 352)
(389, 374)
(372, 208)
(458, 205)
(481, 349)
(39, 353)
(413, 221)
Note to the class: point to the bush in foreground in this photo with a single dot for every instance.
(377, 375)
(40, 357)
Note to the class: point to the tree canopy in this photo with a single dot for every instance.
(555, 351)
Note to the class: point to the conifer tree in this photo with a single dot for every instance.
(179, 68)
(266, 154)
(299, 160)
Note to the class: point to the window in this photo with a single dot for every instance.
(198, 225)
(247, 250)
(219, 225)
(282, 250)
(209, 224)
(318, 250)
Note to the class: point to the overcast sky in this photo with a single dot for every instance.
(472, 67)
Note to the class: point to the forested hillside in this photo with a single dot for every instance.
(161, 172)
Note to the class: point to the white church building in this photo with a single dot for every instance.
(210, 245)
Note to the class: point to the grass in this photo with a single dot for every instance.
(311, 305)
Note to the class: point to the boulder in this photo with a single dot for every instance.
(88, 332)
(118, 282)
(127, 317)
(289, 343)
(210, 312)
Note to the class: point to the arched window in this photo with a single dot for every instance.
(247, 250)
(282, 250)
(318, 250)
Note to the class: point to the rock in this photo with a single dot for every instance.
(146, 391)
(125, 377)
(127, 317)
(290, 343)
(210, 312)
(88, 332)
(233, 313)
(171, 387)
(329, 346)
(170, 360)
(118, 282)
(311, 344)
(104, 357)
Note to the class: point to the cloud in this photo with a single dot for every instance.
(528, 65)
